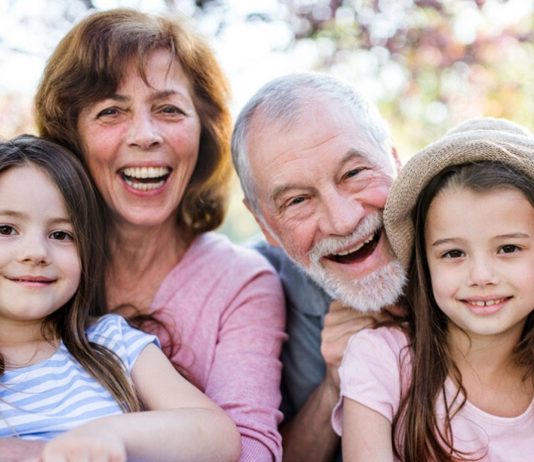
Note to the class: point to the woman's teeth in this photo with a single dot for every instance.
(145, 178)
(146, 172)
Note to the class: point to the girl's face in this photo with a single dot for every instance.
(39, 262)
(480, 251)
(141, 145)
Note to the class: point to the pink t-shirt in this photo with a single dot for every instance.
(227, 307)
(370, 374)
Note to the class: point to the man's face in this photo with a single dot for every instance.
(321, 186)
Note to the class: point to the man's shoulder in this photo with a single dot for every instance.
(302, 293)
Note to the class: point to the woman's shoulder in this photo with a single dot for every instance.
(212, 245)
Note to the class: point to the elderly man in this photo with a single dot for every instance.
(315, 163)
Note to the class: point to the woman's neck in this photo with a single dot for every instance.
(140, 260)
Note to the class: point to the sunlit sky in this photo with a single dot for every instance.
(247, 50)
(251, 52)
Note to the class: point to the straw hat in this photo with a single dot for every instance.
(475, 140)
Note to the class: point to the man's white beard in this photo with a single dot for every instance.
(371, 292)
(368, 293)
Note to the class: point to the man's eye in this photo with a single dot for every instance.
(455, 253)
(7, 230)
(295, 201)
(354, 172)
(61, 236)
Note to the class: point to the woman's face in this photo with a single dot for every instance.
(141, 144)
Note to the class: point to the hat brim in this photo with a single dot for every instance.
(476, 143)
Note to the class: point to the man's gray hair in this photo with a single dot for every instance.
(283, 100)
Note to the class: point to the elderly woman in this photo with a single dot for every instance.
(142, 101)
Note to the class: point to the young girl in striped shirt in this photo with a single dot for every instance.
(88, 384)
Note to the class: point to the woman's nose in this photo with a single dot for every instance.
(144, 131)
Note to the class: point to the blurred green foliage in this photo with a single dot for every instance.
(428, 64)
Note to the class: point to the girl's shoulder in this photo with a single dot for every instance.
(112, 328)
(108, 323)
(113, 332)
(381, 339)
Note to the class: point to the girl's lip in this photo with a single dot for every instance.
(485, 306)
(487, 300)
(32, 279)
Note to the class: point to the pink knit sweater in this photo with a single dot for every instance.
(227, 307)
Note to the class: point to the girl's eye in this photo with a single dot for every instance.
(454, 253)
(7, 230)
(62, 236)
(509, 248)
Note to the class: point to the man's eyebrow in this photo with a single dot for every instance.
(351, 154)
(354, 153)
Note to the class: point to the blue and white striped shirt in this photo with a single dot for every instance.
(55, 395)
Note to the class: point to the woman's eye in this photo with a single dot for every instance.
(109, 111)
(455, 253)
(61, 236)
(171, 109)
(7, 230)
(509, 248)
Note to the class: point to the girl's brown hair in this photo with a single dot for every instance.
(88, 66)
(70, 321)
(424, 436)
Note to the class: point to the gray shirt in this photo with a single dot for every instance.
(303, 366)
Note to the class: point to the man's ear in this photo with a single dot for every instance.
(395, 155)
(264, 229)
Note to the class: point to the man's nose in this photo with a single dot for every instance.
(341, 213)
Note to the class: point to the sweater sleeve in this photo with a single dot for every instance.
(245, 376)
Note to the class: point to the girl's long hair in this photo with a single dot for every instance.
(71, 320)
(420, 435)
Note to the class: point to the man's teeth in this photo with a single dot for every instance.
(356, 247)
(146, 172)
(487, 302)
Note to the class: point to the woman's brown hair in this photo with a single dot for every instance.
(71, 320)
(424, 437)
(88, 65)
